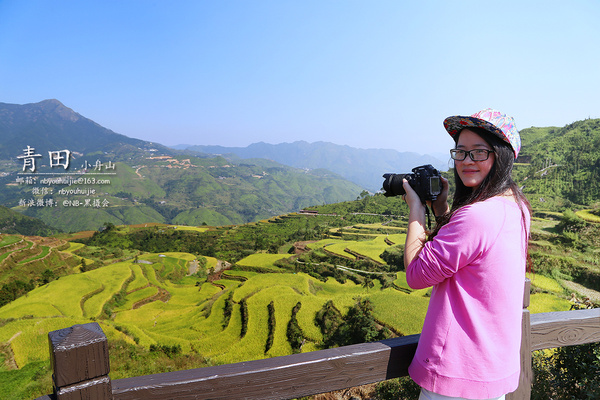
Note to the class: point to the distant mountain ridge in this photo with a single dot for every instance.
(557, 168)
(364, 167)
(50, 126)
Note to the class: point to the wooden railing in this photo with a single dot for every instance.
(79, 356)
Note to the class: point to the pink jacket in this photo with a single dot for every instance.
(470, 343)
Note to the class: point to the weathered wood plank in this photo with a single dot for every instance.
(523, 392)
(565, 328)
(527, 293)
(93, 389)
(78, 353)
(305, 374)
(79, 358)
(285, 377)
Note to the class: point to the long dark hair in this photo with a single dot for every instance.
(497, 182)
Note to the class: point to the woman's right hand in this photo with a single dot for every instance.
(411, 197)
(415, 232)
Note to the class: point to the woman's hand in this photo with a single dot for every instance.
(440, 205)
(411, 197)
(415, 233)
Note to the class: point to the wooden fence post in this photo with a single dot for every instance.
(79, 357)
(523, 392)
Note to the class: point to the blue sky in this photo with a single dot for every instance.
(368, 74)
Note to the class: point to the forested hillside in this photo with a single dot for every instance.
(191, 191)
(14, 222)
(561, 165)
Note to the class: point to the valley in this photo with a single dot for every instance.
(189, 259)
(238, 304)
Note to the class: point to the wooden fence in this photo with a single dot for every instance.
(79, 356)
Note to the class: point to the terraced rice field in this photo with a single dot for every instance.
(7, 240)
(588, 215)
(162, 305)
(190, 316)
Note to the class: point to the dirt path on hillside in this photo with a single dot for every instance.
(137, 171)
(193, 267)
(217, 272)
(219, 268)
(582, 290)
(300, 247)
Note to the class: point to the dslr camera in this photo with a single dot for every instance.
(425, 180)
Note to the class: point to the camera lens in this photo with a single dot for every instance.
(393, 184)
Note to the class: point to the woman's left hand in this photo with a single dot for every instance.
(440, 205)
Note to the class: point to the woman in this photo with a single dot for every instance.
(475, 260)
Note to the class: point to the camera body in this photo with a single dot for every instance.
(425, 180)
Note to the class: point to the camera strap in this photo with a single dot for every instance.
(429, 213)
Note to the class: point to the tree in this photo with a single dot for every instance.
(328, 318)
(46, 277)
(570, 222)
(368, 283)
(394, 258)
(363, 195)
(358, 326)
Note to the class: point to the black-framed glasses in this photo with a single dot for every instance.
(476, 155)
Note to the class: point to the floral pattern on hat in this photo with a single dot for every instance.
(491, 120)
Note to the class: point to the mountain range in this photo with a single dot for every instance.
(215, 185)
(364, 167)
(152, 183)
(50, 125)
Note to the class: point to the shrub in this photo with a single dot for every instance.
(394, 258)
(227, 309)
(244, 315)
(328, 319)
(169, 351)
(14, 289)
(357, 326)
(567, 373)
(397, 389)
(271, 325)
(571, 222)
(294, 333)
